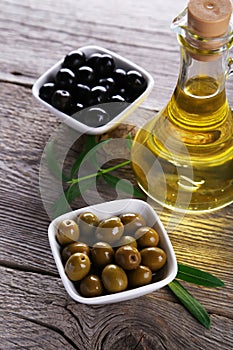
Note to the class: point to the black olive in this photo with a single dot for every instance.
(65, 79)
(93, 59)
(105, 65)
(74, 60)
(46, 91)
(85, 75)
(82, 94)
(99, 93)
(117, 98)
(108, 83)
(75, 108)
(61, 100)
(119, 76)
(136, 80)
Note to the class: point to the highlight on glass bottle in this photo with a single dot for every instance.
(183, 158)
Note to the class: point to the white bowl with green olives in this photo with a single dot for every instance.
(93, 89)
(111, 252)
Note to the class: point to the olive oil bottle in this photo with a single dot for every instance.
(183, 158)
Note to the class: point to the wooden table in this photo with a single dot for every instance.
(36, 312)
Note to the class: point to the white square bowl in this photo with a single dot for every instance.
(103, 211)
(113, 123)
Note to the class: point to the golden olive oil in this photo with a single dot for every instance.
(183, 158)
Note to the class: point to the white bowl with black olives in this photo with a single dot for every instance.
(93, 89)
(111, 252)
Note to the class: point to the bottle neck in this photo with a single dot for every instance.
(197, 67)
(199, 104)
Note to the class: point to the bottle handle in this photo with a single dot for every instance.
(229, 70)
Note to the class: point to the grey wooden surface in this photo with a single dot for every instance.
(35, 311)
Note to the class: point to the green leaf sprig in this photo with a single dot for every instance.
(76, 186)
(198, 277)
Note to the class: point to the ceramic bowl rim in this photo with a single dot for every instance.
(127, 294)
(75, 124)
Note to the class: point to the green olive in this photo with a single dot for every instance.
(147, 237)
(91, 286)
(77, 266)
(141, 276)
(102, 254)
(132, 222)
(67, 232)
(75, 247)
(127, 240)
(110, 230)
(128, 257)
(114, 278)
(153, 257)
(87, 222)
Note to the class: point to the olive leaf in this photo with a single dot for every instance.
(190, 303)
(89, 153)
(77, 163)
(90, 143)
(199, 277)
(77, 190)
(129, 141)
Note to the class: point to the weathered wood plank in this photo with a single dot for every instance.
(42, 307)
(36, 313)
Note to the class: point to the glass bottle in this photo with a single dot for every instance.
(183, 158)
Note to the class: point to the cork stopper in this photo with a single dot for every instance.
(209, 18)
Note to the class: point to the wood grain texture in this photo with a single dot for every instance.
(40, 302)
(35, 311)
